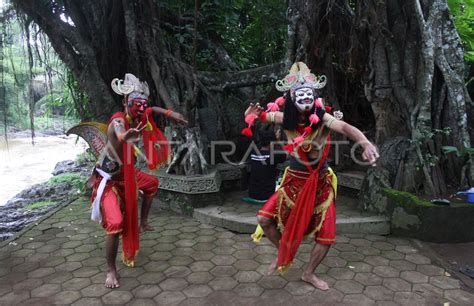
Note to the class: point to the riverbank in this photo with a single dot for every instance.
(67, 183)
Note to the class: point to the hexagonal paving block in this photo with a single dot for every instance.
(360, 266)
(177, 271)
(77, 257)
(334, 262)
(344, 247)
(376, 260)
(199, 277)
(223, 271)
(28, 284)
(149, 278)
(368, 251)
(430, 270)
(224, 250)
(407, 249)
(378, 293)
(383, 246)
(341, 273)
(368, 279)
(392, 255)
(247, 276)
(414, 277)
(25, 267)
(351, 256)
(397, 284)
(409, 298)
(204, 246)
(223, 283)
(402, 265)
(180, 261)
(68, 266)
(348, 286)
(272, 282)
(201, 266)
(95, 290)
(185, 243)
(245, 254)
(197, 291)
(427, 290)
(418, 259)
(76, 284)
(357, 299)
(299, 288)
(164, 247)
(46, 290)
(59, 277)
(386, 271)
(459, 296)
(156, 266)
(265, 258)
(221, 260)
(202, 255)
(182, 251)
(41, 272)
(171, 284)
(14, 297)
(169, 298)
(117, 297)
(66, 297)
(246, 265)
(146, 291)
(248, 290)
(445, 282)
(85, 272)
(360, 242)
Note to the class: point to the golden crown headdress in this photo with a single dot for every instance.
(130, 84)
(300, 77)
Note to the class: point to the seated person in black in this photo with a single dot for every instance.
(263, 167)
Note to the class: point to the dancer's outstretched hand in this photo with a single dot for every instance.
(254, 109)
(178, 118)
(370, 154)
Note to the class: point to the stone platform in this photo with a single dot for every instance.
(61, 260)
(240, 217)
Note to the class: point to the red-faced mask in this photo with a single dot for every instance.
(136, 107)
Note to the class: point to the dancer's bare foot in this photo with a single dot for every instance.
(272, 267)
(316, 282)
(111, 280)
(145, 227)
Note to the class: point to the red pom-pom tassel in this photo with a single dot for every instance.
(308, 130)
(289, 148)
(247, 132)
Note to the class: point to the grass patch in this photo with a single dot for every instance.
(402, 197)
(37, 205)
(77, 181)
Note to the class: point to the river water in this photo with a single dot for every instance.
(23, 165)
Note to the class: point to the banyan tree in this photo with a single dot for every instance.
(394, 67)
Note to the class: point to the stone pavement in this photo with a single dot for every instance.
(61, 261)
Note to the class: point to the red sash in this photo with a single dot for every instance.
(151, 137)
(301, 214)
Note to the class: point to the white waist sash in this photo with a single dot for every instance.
(95, 214)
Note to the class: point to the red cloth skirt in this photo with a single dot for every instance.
(112, 203)
(323, 223)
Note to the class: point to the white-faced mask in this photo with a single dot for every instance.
(304, 99)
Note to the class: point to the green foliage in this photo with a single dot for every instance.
(463, 14)
(77, 181)
(459, 152)
(40, 204)
(55, 97)
(405, 198)
(85, 158)
(252, 32)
